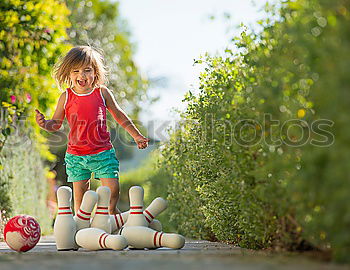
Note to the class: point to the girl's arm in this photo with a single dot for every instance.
(120, 116)
(57, 119)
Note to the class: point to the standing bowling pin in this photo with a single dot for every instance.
(101, 219)
(95, 239)
(65, 227)
(136, 217)
(82, 218)
(143, 237)
(157, 206)
(118, 221)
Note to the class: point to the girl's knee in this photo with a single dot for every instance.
(83, 185)
(113, 184)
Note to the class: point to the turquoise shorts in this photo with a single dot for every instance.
(104, 165)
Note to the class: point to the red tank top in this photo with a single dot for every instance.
(86, 115)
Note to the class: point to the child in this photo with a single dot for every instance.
(84, 105)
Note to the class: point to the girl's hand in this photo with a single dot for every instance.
(141, 141)
(40, 118)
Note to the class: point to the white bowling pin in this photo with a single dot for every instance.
(157, 206)
(65, 227)
(156, 225)
(118, 220)
(95, 239)
(144, 237)
(136, 217)
(101, 219)
(82, 218)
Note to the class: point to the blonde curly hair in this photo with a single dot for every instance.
(78, 57)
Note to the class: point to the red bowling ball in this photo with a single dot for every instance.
(22, 233)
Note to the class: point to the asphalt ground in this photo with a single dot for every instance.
(194, 255)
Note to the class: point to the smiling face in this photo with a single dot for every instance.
(82, 78)
(82, 69)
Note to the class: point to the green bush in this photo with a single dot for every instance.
(242, 176)
(23, 183)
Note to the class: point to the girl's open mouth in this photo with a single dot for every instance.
(82, 83)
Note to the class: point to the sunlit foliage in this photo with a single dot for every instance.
(249, 165)
(30, 42)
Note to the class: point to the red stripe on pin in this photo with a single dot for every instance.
(116, 221)
(100, 240)
(63, 208)
(155, 239)
(149, 221)
(160, 239)
(149, 214)
(101, 213)
(64, 213)
(81, 217)
(100, 207)
(85, 213)
(136, 207)
(121, 219)
(136, 213)
(104, 241)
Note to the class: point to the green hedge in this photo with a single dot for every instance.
(246, 179)
(23, 185)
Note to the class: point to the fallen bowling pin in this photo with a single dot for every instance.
(65, 226)
(82, 218)
(136, 216)
(96, 239)
(101, 219)
(156, 225)
(157, 206)
(143, 237)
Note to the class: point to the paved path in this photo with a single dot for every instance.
(195, 255)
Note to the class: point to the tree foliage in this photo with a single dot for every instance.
(31, 40)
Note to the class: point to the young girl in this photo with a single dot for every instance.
(84, 105)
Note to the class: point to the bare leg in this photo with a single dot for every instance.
(79, 188)
(113, 184)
